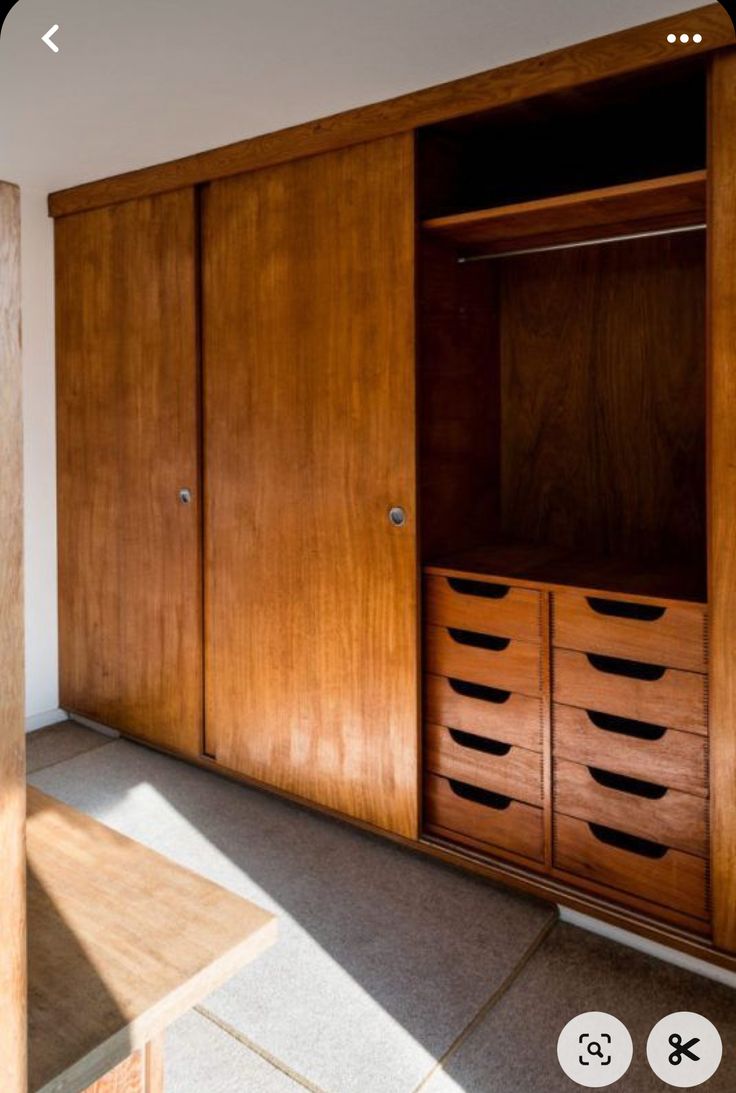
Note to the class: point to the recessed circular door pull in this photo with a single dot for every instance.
(397, 516)
(185, 496)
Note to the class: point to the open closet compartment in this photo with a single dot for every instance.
(562, 258)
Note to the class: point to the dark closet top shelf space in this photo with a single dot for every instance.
(550, 568)
(659, 204)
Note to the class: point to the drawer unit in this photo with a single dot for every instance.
(643, 868)
(668, 756)
(652, 811)
(629, 688)
(674, 636)
(486, 711)
(482, 658)
(483, 817)
(488, 764)
(483, 606)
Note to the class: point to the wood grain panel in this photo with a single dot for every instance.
(122, 942)
(517, 667)
(677, 638)
(501, 715)
(557, 569)
(12, 741)
(642, 206)
(517, 826)
(613, 55)
(676, 700)
(141, 1072)
(311, 593)
(127, 1077)
(675, 880)
(677, 759)
(453, 601)
(722, 487)
(127, 391)
(595, 457)
(459, 402)
(518, 773)
(676, 819)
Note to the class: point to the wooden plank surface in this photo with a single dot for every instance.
(722, 486)
(556, 570)
(613, 55)
(121, 942)
(127, 396)
(642, 206)
(310, 592)
(12, 740)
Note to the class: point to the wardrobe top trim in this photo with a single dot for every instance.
(600, 58)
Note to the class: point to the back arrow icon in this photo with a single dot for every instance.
(49, 35)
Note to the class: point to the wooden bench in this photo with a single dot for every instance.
(122, 941)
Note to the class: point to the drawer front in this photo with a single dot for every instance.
(672, 879)
(670, 697)
(641, 808)
(672, 636)
(672, 758)
(463, 808)
(489, 764)
(485, 711)
(484, 606)
(494, 662)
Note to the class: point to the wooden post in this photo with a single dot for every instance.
(722, 494)
(12, 741)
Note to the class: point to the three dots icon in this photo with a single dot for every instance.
(685, 38)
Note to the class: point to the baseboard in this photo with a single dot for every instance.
(651, 948)
(43, 720)
(96, 725)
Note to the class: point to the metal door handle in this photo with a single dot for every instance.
(185, 496)
(397, 516)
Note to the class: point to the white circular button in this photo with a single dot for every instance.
(684, 1050)
(595, 1049)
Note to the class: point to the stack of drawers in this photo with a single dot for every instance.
(629, 723)
(484, 714)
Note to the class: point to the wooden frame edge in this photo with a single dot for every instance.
(722, 492)
(614, 54)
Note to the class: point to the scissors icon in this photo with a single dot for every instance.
(682, 1049)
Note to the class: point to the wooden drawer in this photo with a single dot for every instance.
(647, 870)
(672, 758)
(641, 808)
(674, 636)
(486, 607)
(485, 711)
(483, 816)
(643, 692)
(490, 764)
(482, 658)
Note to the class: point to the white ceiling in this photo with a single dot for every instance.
(143, 81)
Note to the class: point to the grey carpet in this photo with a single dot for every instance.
(384, 956)
(513, 1049)
(58, 743)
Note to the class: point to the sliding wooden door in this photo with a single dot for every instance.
(129, 540)
(310, 589)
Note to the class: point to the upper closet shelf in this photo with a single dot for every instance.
(658, 204)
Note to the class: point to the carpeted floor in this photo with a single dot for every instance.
(392, 972)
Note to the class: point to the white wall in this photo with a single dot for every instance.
(42, 688)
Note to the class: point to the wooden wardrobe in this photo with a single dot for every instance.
(395, 473)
